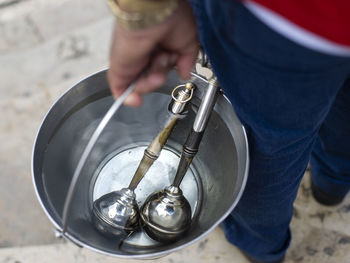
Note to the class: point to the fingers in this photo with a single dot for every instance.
(128, 57)
(145, 84)
(153, 78)
(187, 58)
(185, 64)
(156, 74)
(133, 100)
(133, 51)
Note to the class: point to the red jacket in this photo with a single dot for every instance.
(323, 20)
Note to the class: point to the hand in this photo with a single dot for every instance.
(159, 48)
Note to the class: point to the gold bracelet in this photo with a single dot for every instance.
(141, 14)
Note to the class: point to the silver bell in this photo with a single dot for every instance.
(166, 214)
(116, 213)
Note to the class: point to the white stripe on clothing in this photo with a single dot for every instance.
(294, 32)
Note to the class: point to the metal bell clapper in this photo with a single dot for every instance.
(117, 213)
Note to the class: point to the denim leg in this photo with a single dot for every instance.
(282, 93)
(330, 159)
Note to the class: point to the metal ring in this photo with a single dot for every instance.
(176, 99)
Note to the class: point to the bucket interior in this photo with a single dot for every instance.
(213, 183)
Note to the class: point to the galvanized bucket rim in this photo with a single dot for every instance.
(152, 255)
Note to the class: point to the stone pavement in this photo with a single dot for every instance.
(45, 47)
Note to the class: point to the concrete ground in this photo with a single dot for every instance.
(45, 47)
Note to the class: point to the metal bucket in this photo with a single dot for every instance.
(213, 184)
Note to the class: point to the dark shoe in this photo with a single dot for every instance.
(324, 198)
(254, 260)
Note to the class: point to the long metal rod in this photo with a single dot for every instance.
(152, 152)
(206, 106)
(112, 110)
(194, 138)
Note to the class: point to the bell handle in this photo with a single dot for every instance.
(194, 138)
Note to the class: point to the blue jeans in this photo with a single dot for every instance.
(294, 104)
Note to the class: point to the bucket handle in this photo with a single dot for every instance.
(103, 123)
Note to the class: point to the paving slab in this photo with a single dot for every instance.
(33, 75)
(45, 47)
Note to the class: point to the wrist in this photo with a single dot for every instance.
(142, 14)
